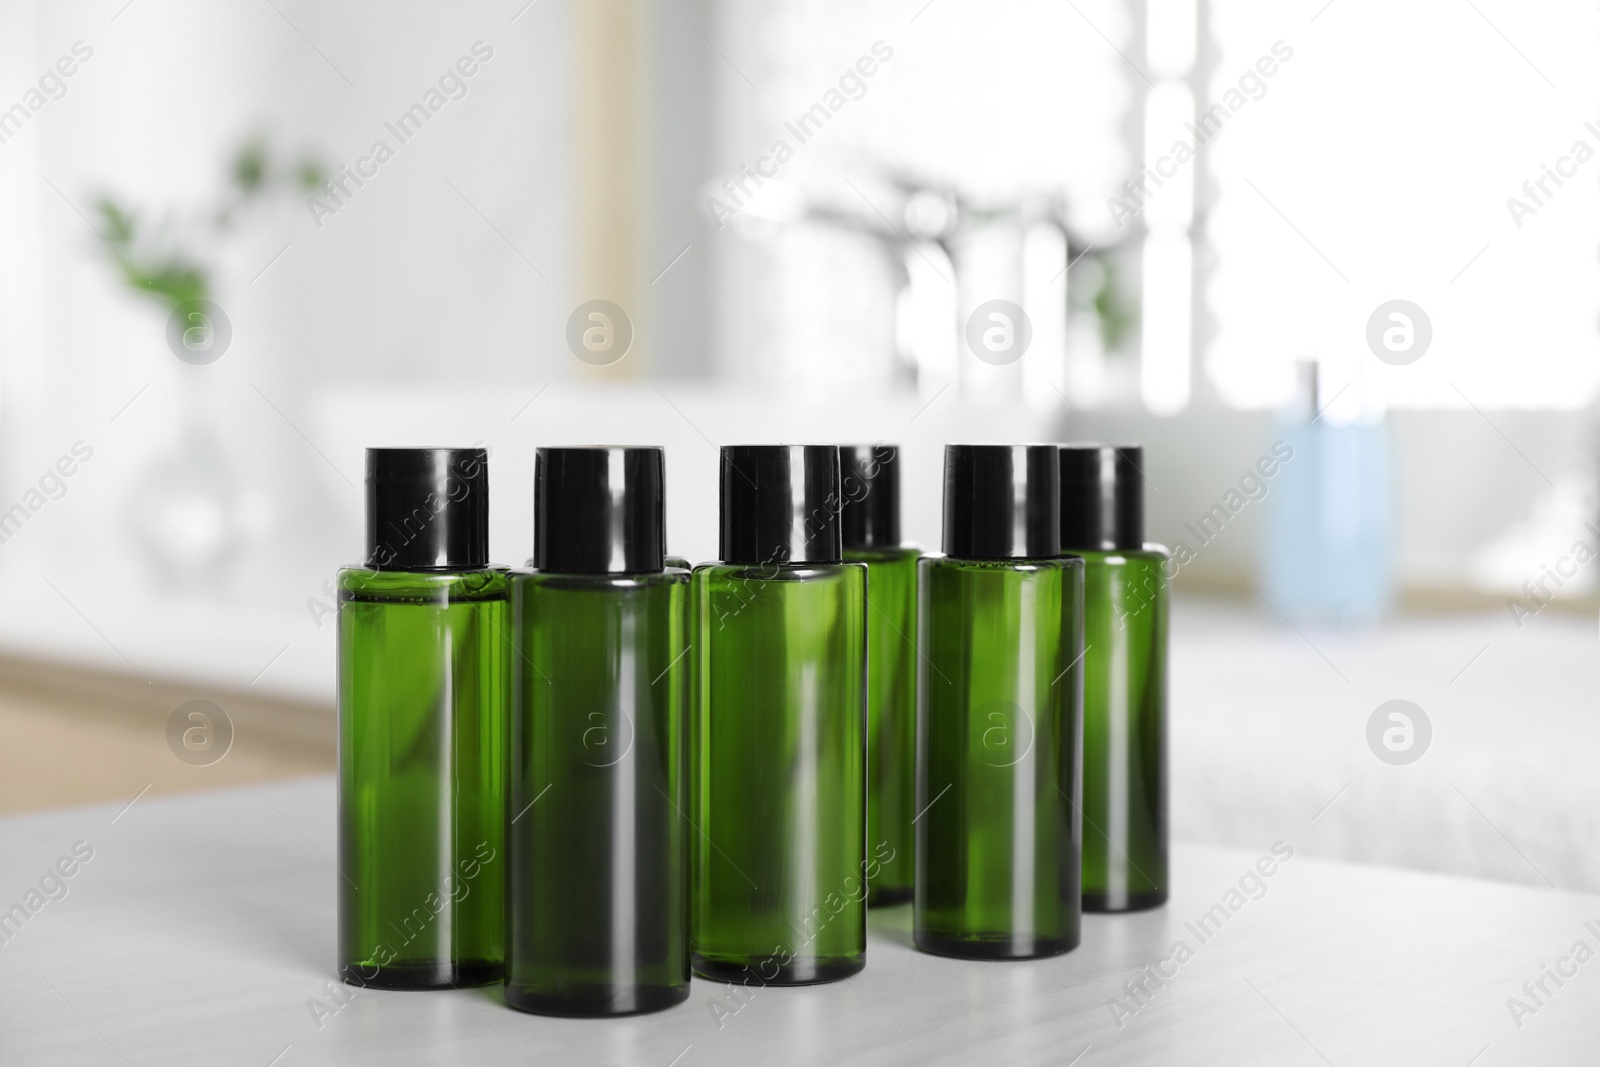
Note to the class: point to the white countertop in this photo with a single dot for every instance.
(203, 927)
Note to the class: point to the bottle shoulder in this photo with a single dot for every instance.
(846, 570)
(884, 554)
(1148, 554)
(995, 566)
(529, 577)
(361, 583)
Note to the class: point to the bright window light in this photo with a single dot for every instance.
(1170, 37)
(1364, 170)
(1164, 368)
(1168, 112)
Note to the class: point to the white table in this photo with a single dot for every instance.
(204, 924)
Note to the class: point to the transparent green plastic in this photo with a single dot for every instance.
(891, 718)
(1125, 730)
(778, 772)
(597, 922)
(998, 839)
(422, 727)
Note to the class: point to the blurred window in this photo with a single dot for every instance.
(1379, 162)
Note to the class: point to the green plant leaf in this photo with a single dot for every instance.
(250, 166)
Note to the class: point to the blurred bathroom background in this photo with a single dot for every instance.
(1353, 321)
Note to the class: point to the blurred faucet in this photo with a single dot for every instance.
(950, 256)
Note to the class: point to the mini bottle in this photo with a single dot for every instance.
(999, 714)
(597, 920)
(422, 722)
(777, 743)
(1125, 677)
(870, 526)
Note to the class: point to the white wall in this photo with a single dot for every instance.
(412, 281)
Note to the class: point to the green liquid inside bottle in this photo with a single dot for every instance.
(1125, 730)
(599, 916)
(422, 723)
(891, 719)
(777, 765)
(998, 838)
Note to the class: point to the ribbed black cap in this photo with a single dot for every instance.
(427, 509)
(871, 481)
(1102, 496)
(780, 504)
(599, 510)
(1002, 501)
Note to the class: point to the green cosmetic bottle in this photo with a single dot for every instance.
(870, 526)
(597, 922)
(999, 714)
(422, 719)
(777, 742)
(1125, 678)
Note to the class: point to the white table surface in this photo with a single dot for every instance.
(204, 924)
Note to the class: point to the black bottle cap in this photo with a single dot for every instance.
(1102, 496)
(1002, 501)
(871, 482)
(780, 504)
(427, 509)
(599, 510)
